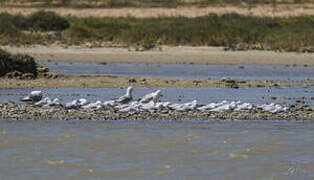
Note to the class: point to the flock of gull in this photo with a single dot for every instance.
(150, 102)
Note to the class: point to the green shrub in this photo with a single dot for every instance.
(7, 28)
(21, 22)
(21, 62)
(48, 21)
(79, 32)
(4, 62)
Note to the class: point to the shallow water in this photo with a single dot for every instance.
(156, 150)
(187, 71)
(202, 95)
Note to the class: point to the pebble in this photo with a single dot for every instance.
(12, 111)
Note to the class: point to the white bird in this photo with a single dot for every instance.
(132, 107)
(190, 106)
(54, 102)
(109, 104)
(273, 108)
(149, 106)
(125, 99)
(244, 107)
(95, 105)
(42, 102)
(226, 107)
(76, 103)
(208, 107)
(34, 96)
(151, 97)
(131, 104)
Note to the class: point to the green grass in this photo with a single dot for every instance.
(231, 31)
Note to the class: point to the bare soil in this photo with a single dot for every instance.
(105, 81)
(165, 54)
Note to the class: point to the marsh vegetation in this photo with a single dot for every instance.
(233, 31)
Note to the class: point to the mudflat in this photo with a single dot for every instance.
(164, 54)
(104, 81)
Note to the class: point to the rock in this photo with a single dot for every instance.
(132, 80)
(14, 74)
(42, 69)
(27, 76)
(232, 85)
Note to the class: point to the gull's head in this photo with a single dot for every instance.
(129, 90)
(36, 93)
(158, 93)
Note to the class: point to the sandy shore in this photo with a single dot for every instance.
(103, 81)
(165, 54)
(286, 10)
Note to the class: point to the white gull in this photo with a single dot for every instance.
(125, 99)
(75, 104)
(151, 97)
(34, 96)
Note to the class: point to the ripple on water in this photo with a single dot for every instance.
(162, 149)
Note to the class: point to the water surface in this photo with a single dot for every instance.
(156, 150)
(187, 71)
(202, 95)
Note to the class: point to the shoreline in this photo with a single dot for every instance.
(164, 54)
(12, 111)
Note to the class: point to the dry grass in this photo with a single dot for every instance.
(260, 10)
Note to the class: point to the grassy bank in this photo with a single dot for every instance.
(141, 3)
(231, 31)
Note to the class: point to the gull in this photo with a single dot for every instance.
(108, 104)
(54, 102)
(226, 107)
(151, 105)
(151, 97)
(125, 99)
(76, 103)
(34, 96)
(47, 102)
(131, 104)
(95, 105)
(208, 107)
(42, 102)
(163, 105)
(190, 106)
(131, 108)
(273, 108)
(244, 107)
(156, 106)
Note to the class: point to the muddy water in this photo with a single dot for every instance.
(156, 150)
(202, 95)
(188, 71)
